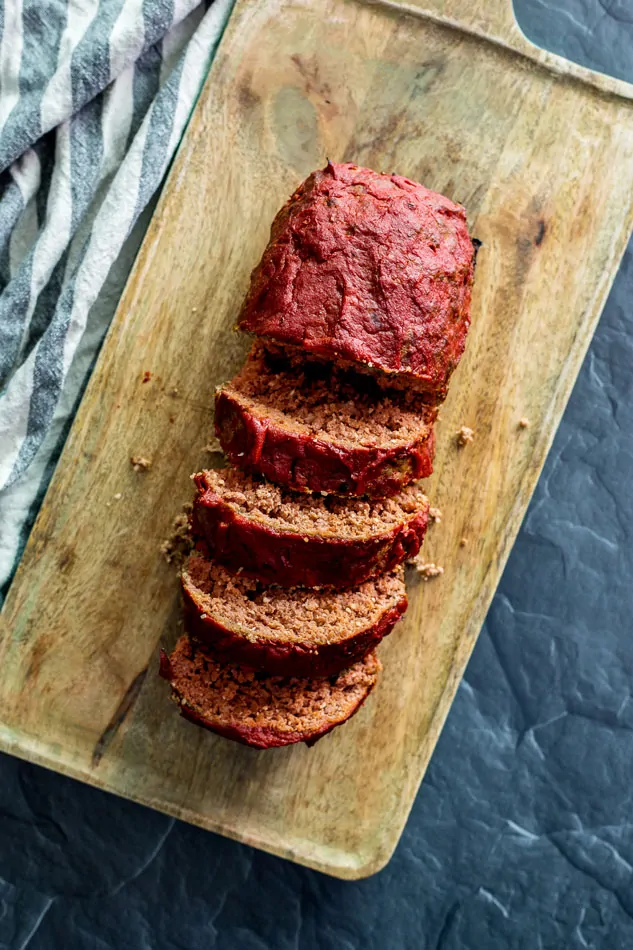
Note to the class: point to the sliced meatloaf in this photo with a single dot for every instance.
(312, 427)
(371, 268)
(296, 632)
(263, 711)
(296, 539)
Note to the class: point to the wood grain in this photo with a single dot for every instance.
(541, 154)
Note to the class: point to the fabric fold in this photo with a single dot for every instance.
(67, 212)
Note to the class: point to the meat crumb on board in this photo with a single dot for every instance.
(426, 569)
(139, 463)
(463, 542)
(524, 423)
(179, 544)
(435, 515)
(213, 446)
(429, 571)
(465, 435)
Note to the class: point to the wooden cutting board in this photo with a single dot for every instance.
(541, 154)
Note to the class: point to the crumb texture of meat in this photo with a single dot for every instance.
(316, 429)
(295, 615)
(524, 422)
(139, 463)
(435, 515)
(336, 405)
(302, 539)
(295, 631)
(465, 435)
(259, 710)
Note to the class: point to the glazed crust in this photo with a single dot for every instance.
(295, 559)
(370, 268)
(282, 657)
(305, 463)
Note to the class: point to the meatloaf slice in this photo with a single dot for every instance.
(298, 539)
(370, 268)
(313, 427)
(259, 710)
(295, 632)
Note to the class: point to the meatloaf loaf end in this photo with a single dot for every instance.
(258, 710)
(297, 539)
(296, 632)
(316, 428)
(370, 268)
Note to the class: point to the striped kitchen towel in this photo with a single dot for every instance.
(94, 97)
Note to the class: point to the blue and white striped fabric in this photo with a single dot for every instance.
(94, 97)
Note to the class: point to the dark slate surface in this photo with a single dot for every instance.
(522, 834)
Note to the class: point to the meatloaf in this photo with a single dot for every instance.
(313, 427)
(370, 268)
(296, 632)
(298, 539)
(258, 710)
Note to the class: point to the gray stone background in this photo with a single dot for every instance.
(522, 833)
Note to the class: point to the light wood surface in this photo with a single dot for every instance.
(541, 154)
